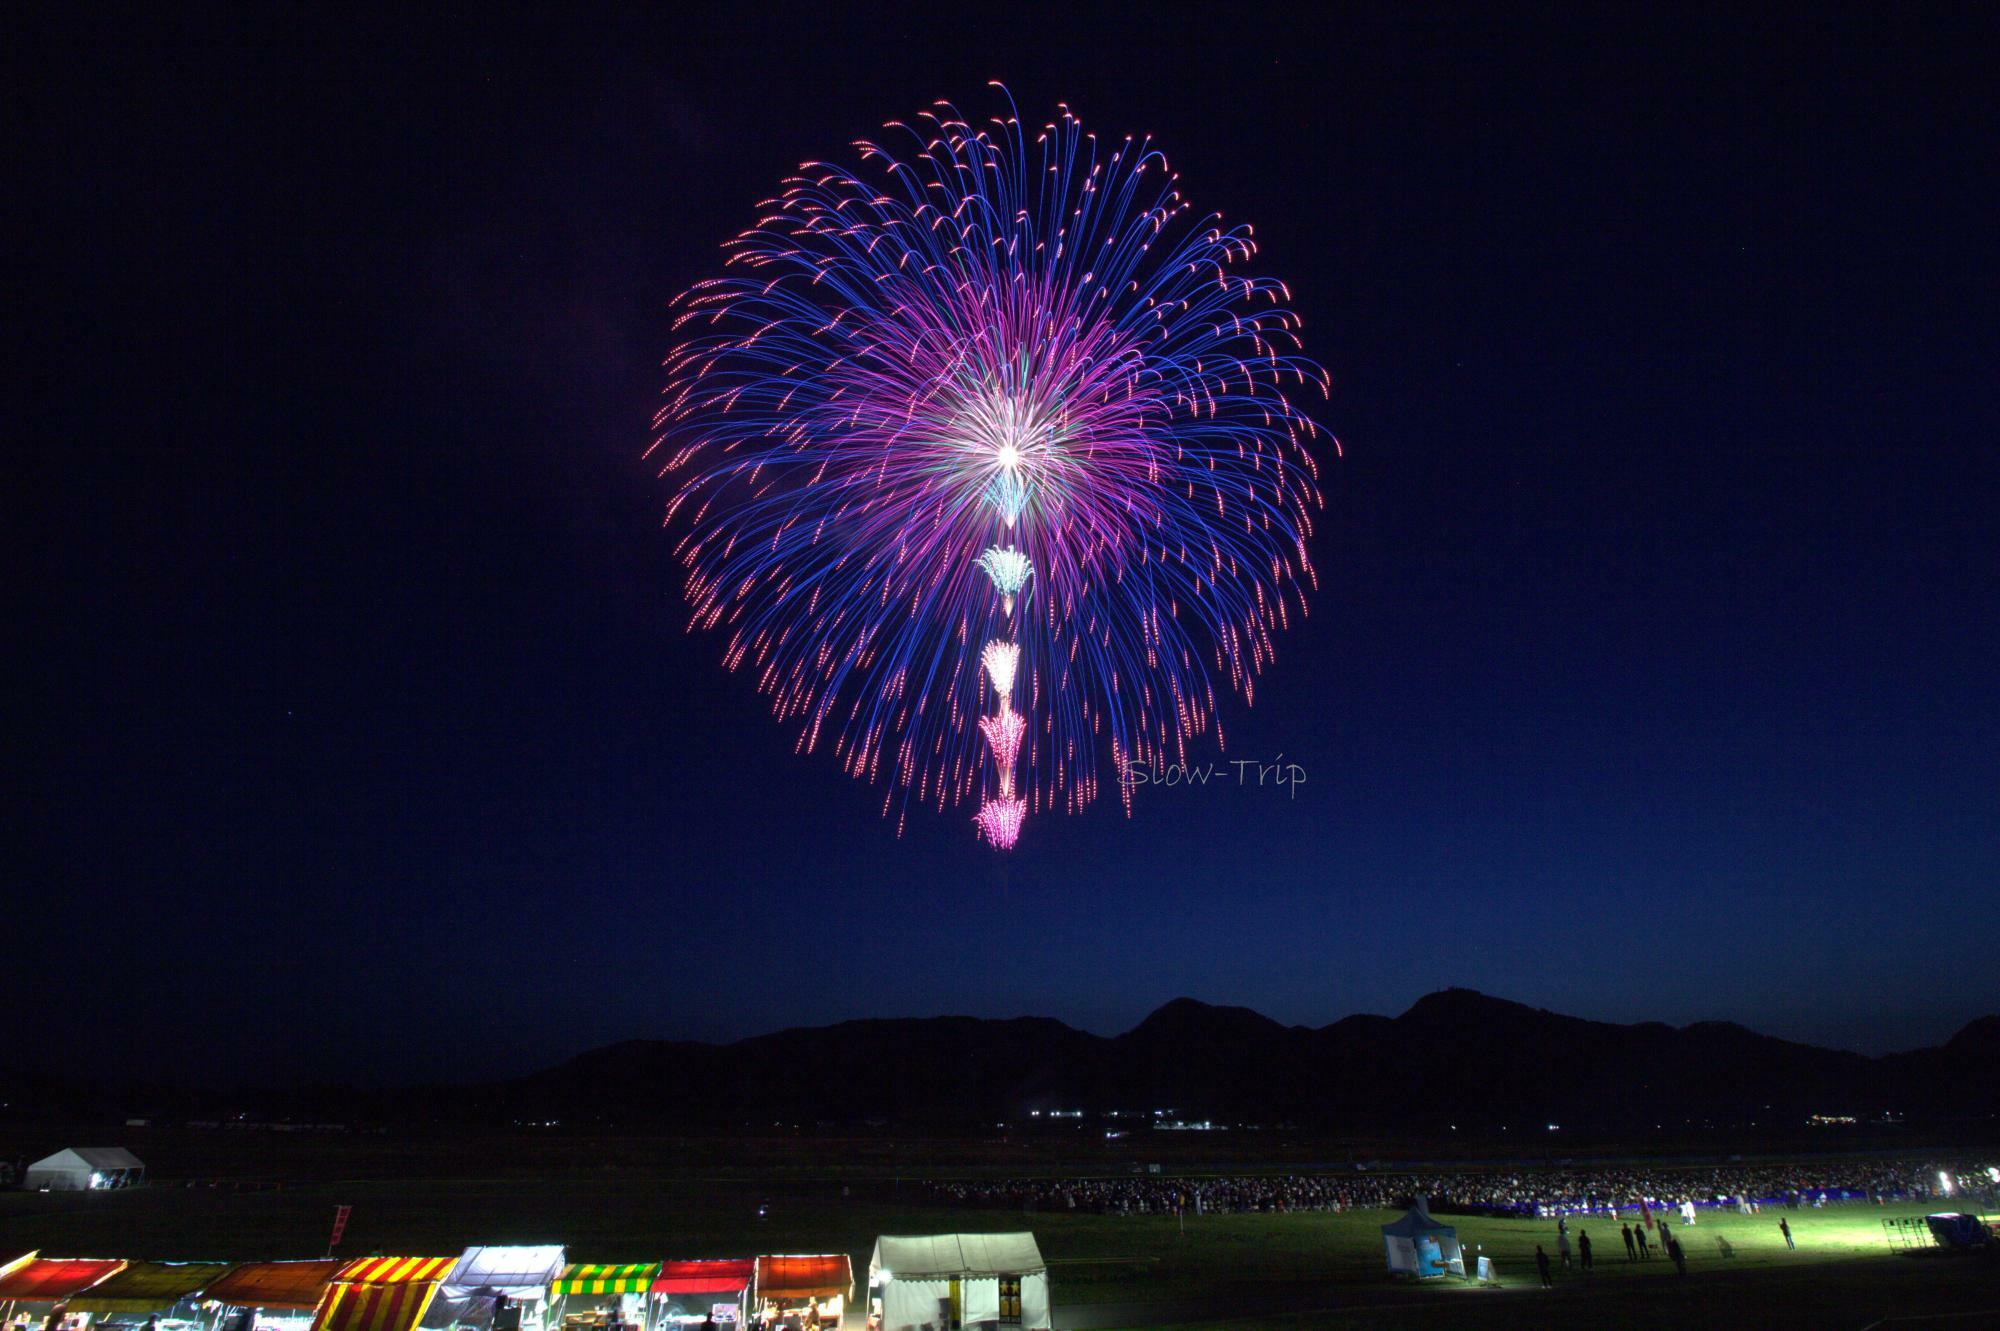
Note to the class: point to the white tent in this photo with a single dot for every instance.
(939, 1281)
(80, 1168)
(471, 1291)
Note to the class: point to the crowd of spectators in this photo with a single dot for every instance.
(1513, 1191)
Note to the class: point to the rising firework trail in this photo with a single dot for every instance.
(984, 460)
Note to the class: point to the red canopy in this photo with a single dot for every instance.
(47, 1279)
(805, 1277)
(294, 1285)
(724, 1277)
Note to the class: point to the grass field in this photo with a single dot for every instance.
(1270, 1271)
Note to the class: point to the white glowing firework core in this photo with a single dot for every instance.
(1002, 659)
(999, 821)
(1003, 430)
(1008, 567)
(1007, 438)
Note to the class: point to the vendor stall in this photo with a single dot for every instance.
(800, 1293)
(271, 1296)
(381, 1293)
(1419, 1246)
(950, 1281)
(686, 1293)
(164, 1294)
(36, 1291)
(594, 1296)
(498, 1289)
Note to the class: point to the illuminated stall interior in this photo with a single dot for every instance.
(271, 1296)
(686, 1293)
(798, 1291)
(600, 1295)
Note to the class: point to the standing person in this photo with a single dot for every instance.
(1674, 1251)
(1562, 1247)
(1645, 1248)
(1542, 1265)
(1786, 1229)
(1631, 1252)
(1583, 1248)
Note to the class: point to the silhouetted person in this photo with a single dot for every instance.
(1645, 1248)
(1674, 1251)
(1542, 1265)
(1631, 1249)
(1785, 1228)
(1562, 1247)
(1583, 1248)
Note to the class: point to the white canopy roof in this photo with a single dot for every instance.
(518, 1272)
(99, 1158)
(941, 1256)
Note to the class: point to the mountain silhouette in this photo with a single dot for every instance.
(1456, 1059)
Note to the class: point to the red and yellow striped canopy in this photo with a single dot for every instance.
(374, 1307)
(394, 1270)
(381, 1293)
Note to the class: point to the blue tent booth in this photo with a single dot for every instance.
(1419, 1246)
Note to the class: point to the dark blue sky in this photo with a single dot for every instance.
(1655, 675)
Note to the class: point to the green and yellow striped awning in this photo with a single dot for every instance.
(598, 1278)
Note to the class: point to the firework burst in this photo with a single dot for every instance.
(997, 351)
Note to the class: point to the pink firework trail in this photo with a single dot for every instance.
(999, 821)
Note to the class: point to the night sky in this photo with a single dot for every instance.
(1655, 672)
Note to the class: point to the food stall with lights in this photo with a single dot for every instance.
(271, 1296)
(164, 1294)
(598, 1296)
(35, 1291)
(687, 1293)
(498, 1289)
(948, 1281)
(798, 1292)
(381, 1293)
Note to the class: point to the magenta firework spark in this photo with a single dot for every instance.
(997, 405)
